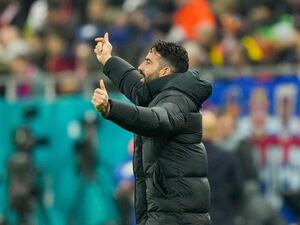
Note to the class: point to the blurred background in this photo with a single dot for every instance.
(62, 164)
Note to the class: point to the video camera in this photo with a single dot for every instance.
(86, 146)
(23, 185)
(24, 139)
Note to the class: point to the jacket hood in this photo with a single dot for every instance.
(192, 84)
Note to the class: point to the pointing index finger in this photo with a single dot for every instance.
(99, 39)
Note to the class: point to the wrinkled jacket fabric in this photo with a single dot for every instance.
(170, 162)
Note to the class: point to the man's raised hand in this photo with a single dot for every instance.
(103, 48)
(100, 99)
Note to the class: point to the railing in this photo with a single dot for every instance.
(47, 84)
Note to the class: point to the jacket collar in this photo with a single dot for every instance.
(155, 86)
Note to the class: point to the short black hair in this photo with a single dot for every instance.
(174, 54)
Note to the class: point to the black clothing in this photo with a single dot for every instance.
(170, 163)
(226, 184)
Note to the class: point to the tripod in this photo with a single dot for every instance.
(87, 179)
(25, 191)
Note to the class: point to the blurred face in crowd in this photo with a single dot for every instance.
(226, 126)
(259, 110)
(19, 66)
(259, 101)
(197, 55)
(8, 34)
(285, 108)
(95, 10)
(209, 125)
(153, 66)
(54, 44)
(206, 34)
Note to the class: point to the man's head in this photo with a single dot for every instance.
(209, 125)
(164, 58)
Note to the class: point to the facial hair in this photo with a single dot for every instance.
(148, 78)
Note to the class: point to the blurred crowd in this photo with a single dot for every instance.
(260, 184)
(254, 164)
(57, 36)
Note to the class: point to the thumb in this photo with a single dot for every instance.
(106, 37)
(102, 85)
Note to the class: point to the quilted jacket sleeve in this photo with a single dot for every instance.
(165, 118)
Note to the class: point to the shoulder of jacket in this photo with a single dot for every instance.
(181, 95)
(174, 96)
(169, 94)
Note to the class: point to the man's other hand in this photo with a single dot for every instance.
(103, 49)
(100, 99)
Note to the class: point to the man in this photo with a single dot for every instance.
(224, 175)
(170, 164)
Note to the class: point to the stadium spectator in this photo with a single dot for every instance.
(224, 175)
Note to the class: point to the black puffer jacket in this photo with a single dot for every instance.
(170, 163)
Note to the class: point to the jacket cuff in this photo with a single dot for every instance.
(119, 112)
(108, 63)
(113, 111)
(106, 115)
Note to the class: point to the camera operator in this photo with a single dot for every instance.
(24, 188)
(86, 146)
(87, 162)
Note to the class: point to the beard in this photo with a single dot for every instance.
(150, 77)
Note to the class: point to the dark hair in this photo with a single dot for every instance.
(174, 54)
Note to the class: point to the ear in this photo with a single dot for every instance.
(165, 71)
